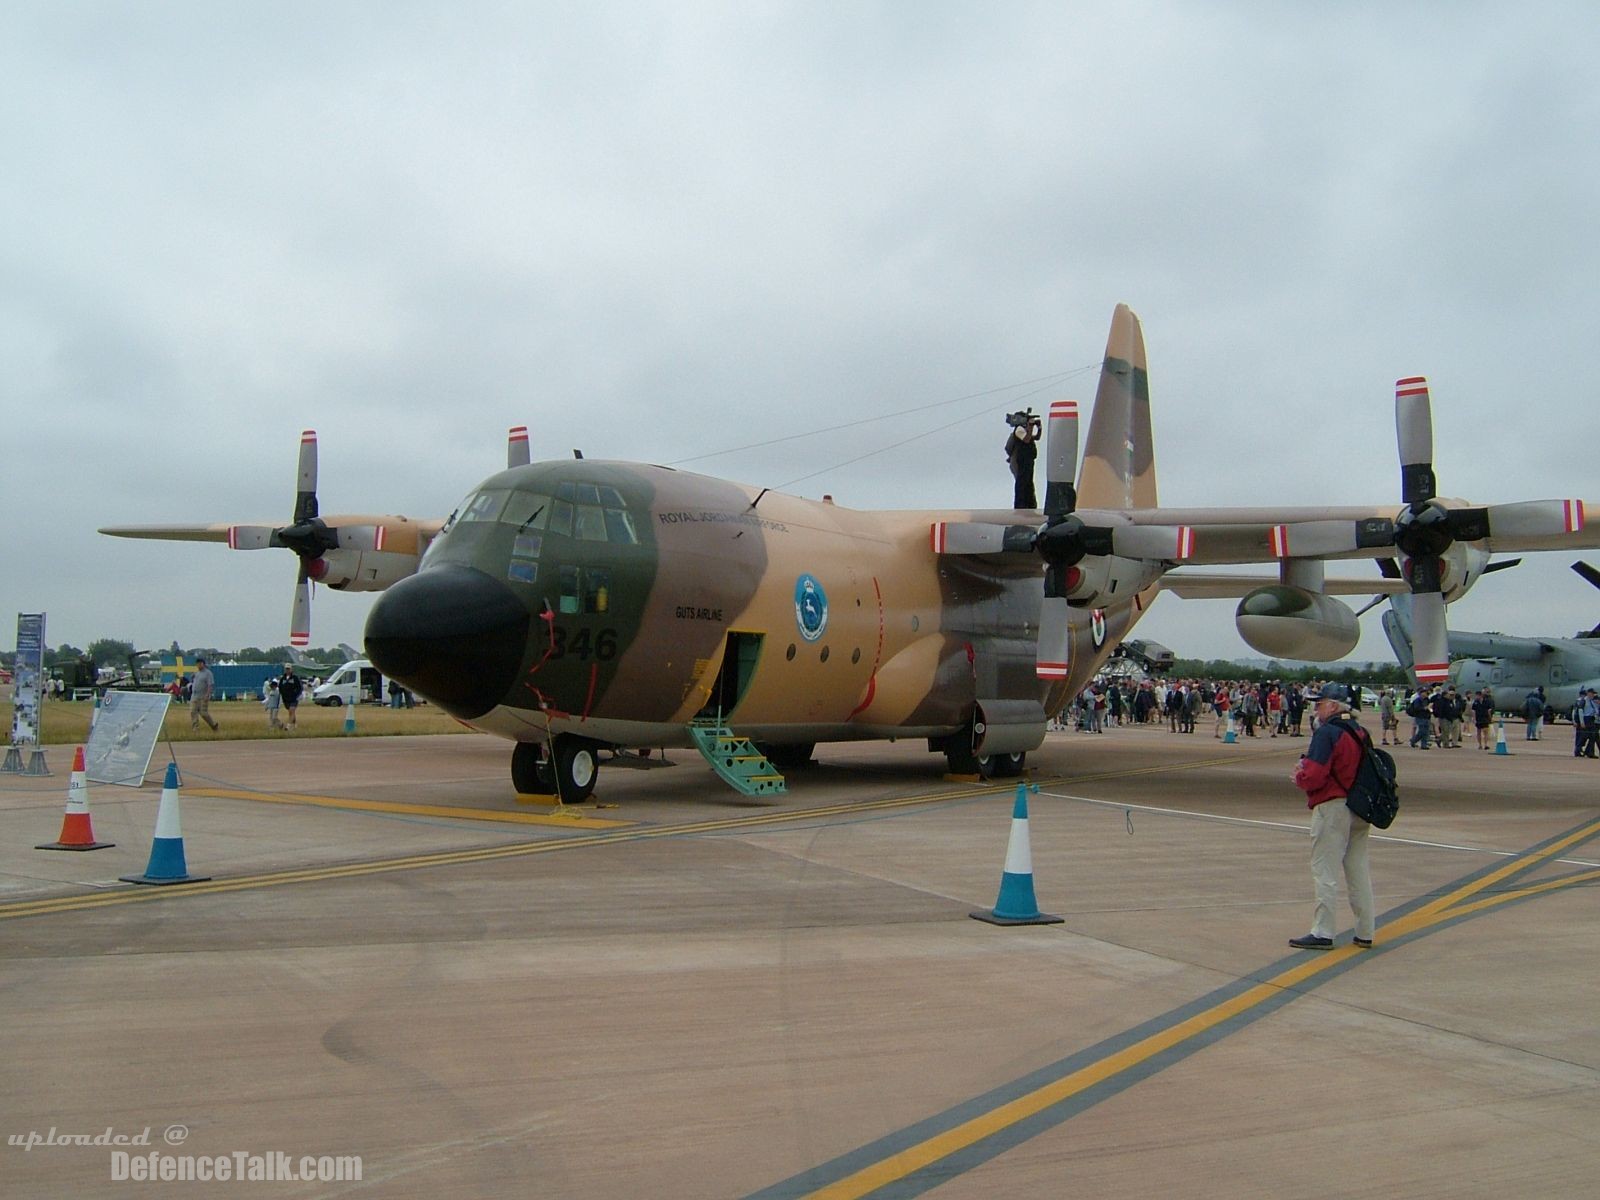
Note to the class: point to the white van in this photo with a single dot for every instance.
(356, 682)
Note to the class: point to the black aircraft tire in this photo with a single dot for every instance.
(961, 759)
(528, 772)
(1006, 766)
(576, 765)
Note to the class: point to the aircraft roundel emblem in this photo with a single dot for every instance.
(810, 607)
(1097, 627)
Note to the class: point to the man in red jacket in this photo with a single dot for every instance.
(1338, 836)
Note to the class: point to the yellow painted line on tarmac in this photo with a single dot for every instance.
(1446, 907)
(559, 819)
(907, 1160)
(614, 832)
(137, 894)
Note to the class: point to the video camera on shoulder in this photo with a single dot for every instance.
(1027, 420)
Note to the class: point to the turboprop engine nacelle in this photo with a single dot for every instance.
(362, 570)
(1098, 579)
(1463, 567)
(1290, 622)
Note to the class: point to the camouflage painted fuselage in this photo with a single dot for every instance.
(640, 586)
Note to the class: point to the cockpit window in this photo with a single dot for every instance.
(485, 506)
(619, 526)
(526, 510)
(591, 523)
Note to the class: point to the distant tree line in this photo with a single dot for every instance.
(1368, 674)
(113, 652)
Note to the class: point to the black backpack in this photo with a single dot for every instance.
(1373, 795)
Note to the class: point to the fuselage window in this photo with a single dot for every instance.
(569, 590)
(561, 518)
(596, 589)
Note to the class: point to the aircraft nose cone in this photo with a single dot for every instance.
(452, 634)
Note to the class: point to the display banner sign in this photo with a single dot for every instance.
(27, 680)
(124, 737)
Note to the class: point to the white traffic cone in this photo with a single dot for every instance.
(167, 863)
(1016, 904)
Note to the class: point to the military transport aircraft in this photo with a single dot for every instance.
(579, 606)
(1511, 667)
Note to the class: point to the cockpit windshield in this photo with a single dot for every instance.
(587, 512)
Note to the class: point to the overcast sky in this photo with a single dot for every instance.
(655, 230)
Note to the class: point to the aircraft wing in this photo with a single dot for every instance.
(1254, 535)
(1195, 585)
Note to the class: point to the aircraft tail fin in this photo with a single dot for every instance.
(1119, 469)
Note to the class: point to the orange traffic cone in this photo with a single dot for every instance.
(76, 832)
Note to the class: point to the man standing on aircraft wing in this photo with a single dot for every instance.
(1338, 836)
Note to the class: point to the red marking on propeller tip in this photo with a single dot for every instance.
(1574, 515)
(1417, 385)
(936, 536)
(233, 537)
(1063, 408)
(1185, 541)
(1280, 541)
(1051, 670)
(377, 542)
(309, 435)
(299, 639)
(519, 433)
(1433, 672)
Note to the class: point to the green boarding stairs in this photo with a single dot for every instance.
(736, 759)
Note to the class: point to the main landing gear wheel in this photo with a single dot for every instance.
(962, 760)
(570, 777)
(576, 767)
(1003, 766)
(530, 775)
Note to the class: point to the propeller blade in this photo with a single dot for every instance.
(1061, 459)
(517, 447)
(1430, 638)
(305, 500)
(1320, 539)
(976, 537)
(300, 617)
(1054, 639)
(1588, 572)
(1413, 422)
(1532, 518)
(1505, 564)
(1167, 543)
(251, 537)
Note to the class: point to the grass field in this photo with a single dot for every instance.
(66, 722)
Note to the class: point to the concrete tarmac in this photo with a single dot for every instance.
(687, 993)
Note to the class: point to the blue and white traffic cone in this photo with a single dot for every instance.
(1016, 904)
(1500, 739)
(1230, 737)
(349, 718)
(167, 864)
